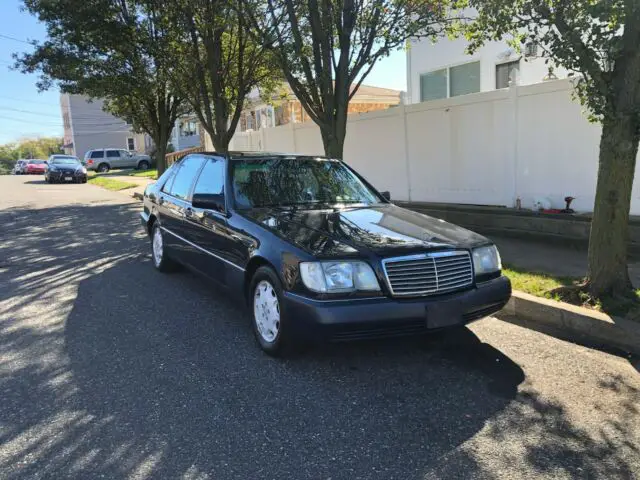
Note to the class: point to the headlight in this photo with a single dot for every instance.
(486, 260)
(335, 277)
(82, 169)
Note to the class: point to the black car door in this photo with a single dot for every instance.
(173, 206)
(208, 225)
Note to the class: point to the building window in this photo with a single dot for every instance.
(433, 85)
(189, 128)
(464, 79)
(450, 82)
(131, 143)
(507, 74)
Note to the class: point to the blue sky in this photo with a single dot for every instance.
(39, 113)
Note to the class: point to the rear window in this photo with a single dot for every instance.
(37, 162)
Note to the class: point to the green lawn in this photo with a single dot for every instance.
(109, 183)
(536, 283)
(550, 286)
(152, 173)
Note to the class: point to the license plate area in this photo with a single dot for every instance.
(442, 314)
(68, 179)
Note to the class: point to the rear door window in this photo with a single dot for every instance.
(97, 154)
(113, 154)
(184, 178)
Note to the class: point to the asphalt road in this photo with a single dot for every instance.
(109, 369)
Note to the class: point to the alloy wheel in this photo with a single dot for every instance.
(266, 311)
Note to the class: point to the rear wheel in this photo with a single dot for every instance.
(103, 168)
(271, 326)
(143, 165)
(158, 254)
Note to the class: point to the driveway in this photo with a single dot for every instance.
(109, 369)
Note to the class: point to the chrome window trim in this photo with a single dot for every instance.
(202, 249)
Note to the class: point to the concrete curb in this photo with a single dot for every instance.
(569, 322)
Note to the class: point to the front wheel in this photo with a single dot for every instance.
(158, 253)
(271, 326)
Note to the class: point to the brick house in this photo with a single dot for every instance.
(284, 107)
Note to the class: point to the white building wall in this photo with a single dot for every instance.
(424, 56)
(490, 148)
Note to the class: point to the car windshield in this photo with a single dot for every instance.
(297, 181)
(64, 161)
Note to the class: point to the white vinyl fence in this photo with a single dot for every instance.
(488, 148)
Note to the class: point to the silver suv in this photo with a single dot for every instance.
(104, 159)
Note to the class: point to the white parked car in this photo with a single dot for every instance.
(104, 159)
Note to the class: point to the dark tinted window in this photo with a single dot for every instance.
(297, 181)
(64, 161)
(184, 178)
(37, 162)
(97, 154)
(211, 180)
(113, 154)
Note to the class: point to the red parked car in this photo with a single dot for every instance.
(35, 167)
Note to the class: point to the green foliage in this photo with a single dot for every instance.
(31, 148)
(326, 48)
(116, 50)
(217, 63)
(586, 37)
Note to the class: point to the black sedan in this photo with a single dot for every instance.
(65, 170)
(316, 252)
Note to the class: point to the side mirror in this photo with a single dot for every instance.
(386, 195)
(209, 201)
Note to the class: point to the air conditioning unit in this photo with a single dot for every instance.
(530, 50)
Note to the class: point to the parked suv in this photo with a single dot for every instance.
(104, 159)
(317, 252)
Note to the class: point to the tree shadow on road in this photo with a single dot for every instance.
(131, 373)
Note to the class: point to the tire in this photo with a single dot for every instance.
(268, 314)
(103, 168)
(143, 165)
(159, 258)
(84, 180)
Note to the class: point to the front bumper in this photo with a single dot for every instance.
(144, 220)
(385, 317)
(62, 176)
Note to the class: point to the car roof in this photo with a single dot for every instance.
(240, 155)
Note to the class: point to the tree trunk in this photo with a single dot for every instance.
(220, 141)
(161, 158)
(608, 272)
(333, 142)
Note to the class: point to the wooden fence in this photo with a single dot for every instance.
(175, 156)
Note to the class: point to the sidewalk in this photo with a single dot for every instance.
(557, 260)
(141, 183)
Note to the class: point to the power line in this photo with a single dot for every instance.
(91, 117)
(27, 101)
(56, 124)
(9, 37)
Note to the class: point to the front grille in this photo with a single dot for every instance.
(428, 274)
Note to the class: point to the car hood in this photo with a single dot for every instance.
(382, 229)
